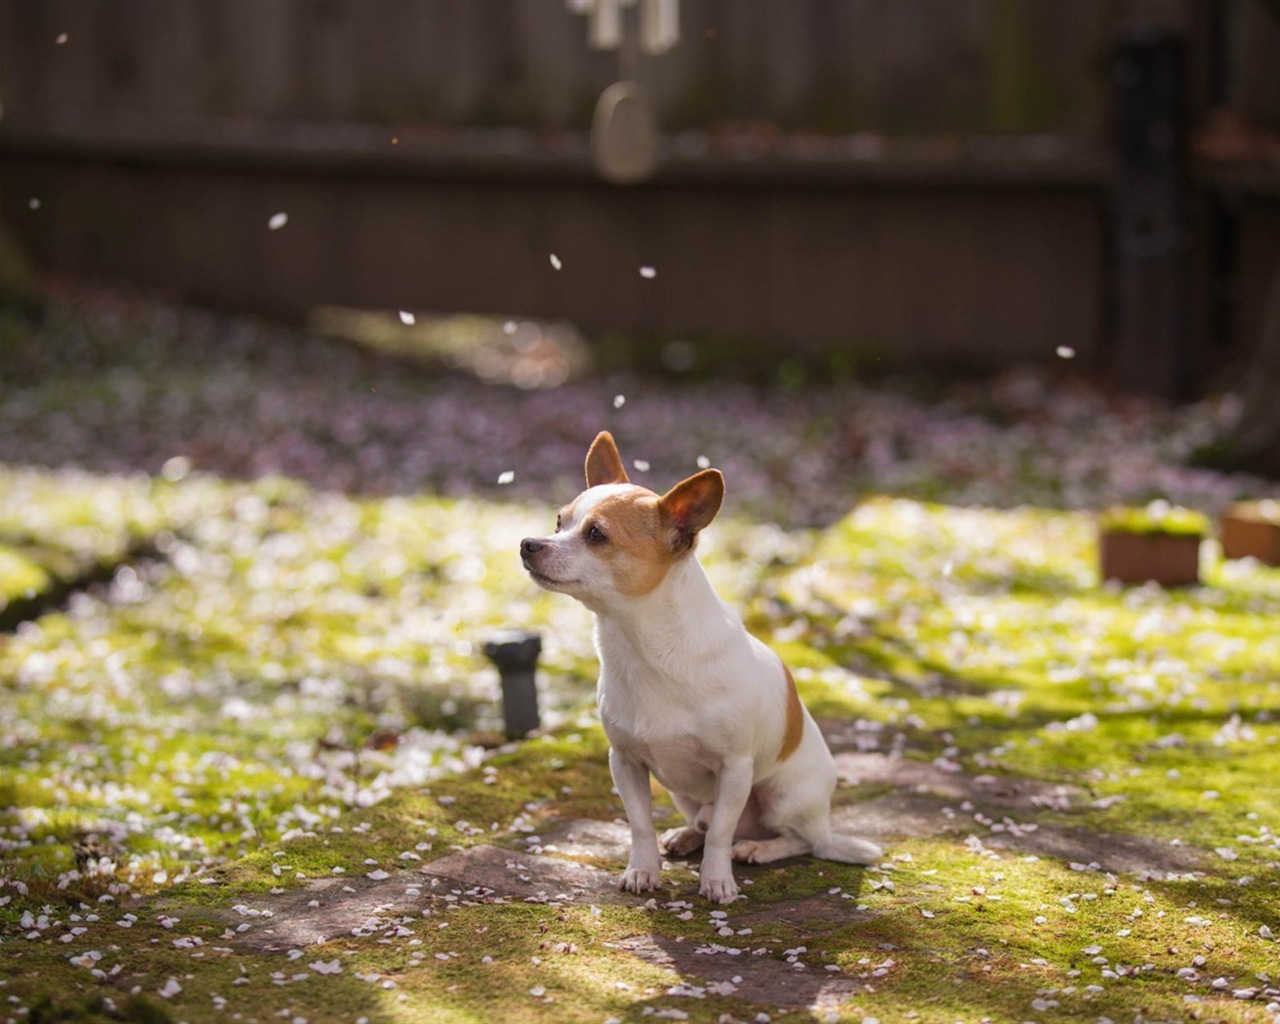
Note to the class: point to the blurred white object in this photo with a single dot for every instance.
(624, 134)
(659, 23)
(606, 24)
(624, 131)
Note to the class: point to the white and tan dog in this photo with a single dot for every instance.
(685, 692)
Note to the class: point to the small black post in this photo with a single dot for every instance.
(515, 653)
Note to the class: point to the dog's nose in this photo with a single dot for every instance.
(530, 547)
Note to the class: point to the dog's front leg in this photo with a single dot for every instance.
(631, 779)
(733, 788)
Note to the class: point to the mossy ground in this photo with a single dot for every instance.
(262, 683)
(288, 691)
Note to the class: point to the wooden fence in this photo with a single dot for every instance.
(893, 66)
(919, 179)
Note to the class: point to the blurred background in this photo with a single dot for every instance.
(843, 183)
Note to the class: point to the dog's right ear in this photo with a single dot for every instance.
(690, 506)
(604, 464)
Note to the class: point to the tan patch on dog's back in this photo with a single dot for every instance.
(794, 730)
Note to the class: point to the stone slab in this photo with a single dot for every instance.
(763, 980)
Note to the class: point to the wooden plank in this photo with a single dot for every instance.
(986, 276)
(889, 66)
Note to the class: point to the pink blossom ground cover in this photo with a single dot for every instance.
(122, 387)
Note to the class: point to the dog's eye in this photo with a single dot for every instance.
(595, 535)
(557, 524)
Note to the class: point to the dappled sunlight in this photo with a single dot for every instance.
(1156, 713)
(247, 700)
(526, 354)
(276, 657)
(287, 687)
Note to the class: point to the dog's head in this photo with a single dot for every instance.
(616, 539)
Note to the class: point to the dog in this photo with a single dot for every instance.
(685, 693)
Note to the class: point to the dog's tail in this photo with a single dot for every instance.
(847, 849)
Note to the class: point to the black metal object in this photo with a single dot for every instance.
(515, 653)
(1149, 77)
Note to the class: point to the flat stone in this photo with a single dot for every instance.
(586, 837)
(918, 816)
(894, 816)
(921, 777)
(1110, 851)
(800, 911)
(344, 905)
(481, 874)
(529, 876)
(763, 980)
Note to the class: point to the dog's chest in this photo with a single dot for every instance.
(682, 763)
(680, 760)
(667, 712)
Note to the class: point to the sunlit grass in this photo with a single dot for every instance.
(289, 687)
(282, 654)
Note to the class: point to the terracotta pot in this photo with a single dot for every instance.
(1169, 559)
(1252, 529)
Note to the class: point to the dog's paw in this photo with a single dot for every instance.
(636, 879)
(719, 889)
(748, 852)
(680, 842)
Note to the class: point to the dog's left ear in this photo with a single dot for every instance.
(690, 506)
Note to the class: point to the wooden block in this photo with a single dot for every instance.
(1169, 559)
(1252, 529)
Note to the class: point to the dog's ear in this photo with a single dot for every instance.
(604, 464)
(690, 506)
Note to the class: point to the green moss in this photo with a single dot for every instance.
(1158, 517)
(98, 1009)
(225, 728)
(20, 576)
